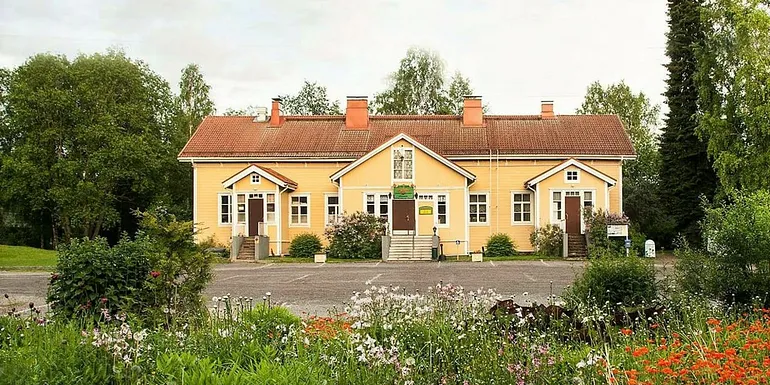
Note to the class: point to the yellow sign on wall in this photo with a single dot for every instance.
(426, 210)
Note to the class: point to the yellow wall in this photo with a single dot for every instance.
(431, 177)
(497, 178)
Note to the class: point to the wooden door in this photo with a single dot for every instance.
(403, 215)
(256, 215)
(572, 214)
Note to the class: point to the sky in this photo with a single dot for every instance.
(515, 52)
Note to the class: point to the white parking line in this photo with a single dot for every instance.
(369, 282)
(377, 264)
(231, 277)
(268, 265)
(297, 279)
(492, 263)
(321, 265)
(529, 277)
(543, 262)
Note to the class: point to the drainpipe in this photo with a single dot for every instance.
(279, 218)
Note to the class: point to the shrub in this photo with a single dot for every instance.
(305, 245)
(500, 245)
(91, 276)
(356, 236)
(596, 221)
(547, 240)
(738, 262)
(615, 279)
(180, 270)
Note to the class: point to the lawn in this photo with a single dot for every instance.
(522, 257)
(311, 260)
(26, 258)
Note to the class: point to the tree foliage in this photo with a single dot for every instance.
(418, 87)
(734, 84)
(686, 172)
(88, 141)
(194, 101)
(641, 185)
(310, 100)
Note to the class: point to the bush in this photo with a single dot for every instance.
(500, 245)
(305, 245)
(737, 264)
(356, 236)
(547, 240)
(596, 221)
(159, 276)
(615, 279)
(91, 276)
(180, 270)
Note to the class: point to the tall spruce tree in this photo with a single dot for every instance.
(686, 171)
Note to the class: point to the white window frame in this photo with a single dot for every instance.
(275, 208)
(393, 151)
(531, 211)
(327, 219)
(377, 204)
(566, 176)
(219, 208)
(592, 200)
(436, 213)
(258, 179)
(552, 206)
(486, 210)
(299, 214)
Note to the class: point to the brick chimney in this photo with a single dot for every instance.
(357, 112)
(546, 110)
(275, 113)
(473, 115)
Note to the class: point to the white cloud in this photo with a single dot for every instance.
(516, 53)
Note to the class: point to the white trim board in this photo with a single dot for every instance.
(571, 162)
(414, 143)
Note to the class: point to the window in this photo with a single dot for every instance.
(572, 176)
(522, 207)
(300, 209)
(442, 218)
(377, 204)
(225, 209)
(478, 208)
(403, 164)
(370, 206)
(332, 208)
(556, 206)
(241, 210)
(255, 179)
(588, 199)
(384, 207)
(270, 208)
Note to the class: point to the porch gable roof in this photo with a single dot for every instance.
(402, 136)
(264, 172)
(567, 163)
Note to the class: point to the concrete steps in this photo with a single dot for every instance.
(409, 248)
(576, 246)
(248, 250)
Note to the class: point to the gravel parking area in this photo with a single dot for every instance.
(320, 288)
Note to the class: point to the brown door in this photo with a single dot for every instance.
(256, 215)
(572, 212)
(403, 215)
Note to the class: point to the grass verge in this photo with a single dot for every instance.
(26, 258)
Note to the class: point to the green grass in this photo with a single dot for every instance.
(311, 260)
(26, 258)
(522, 257)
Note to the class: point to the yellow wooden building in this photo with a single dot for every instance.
(469, 176)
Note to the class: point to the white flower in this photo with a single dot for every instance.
(409, 361)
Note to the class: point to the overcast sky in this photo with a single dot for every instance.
(515, 52)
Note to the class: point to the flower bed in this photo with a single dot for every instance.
(443, 335)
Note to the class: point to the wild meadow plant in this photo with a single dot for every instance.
(387, 335)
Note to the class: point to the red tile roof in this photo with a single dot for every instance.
(327, 136)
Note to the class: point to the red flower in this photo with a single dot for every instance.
(155, 274)
(104, 300)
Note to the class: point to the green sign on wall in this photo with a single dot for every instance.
(403, 191)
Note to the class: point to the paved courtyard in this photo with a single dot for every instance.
(319, 288)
